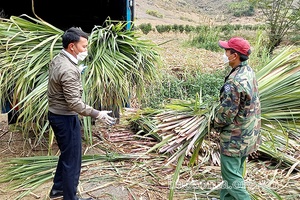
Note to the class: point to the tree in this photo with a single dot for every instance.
(281, 16)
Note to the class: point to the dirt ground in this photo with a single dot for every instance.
(131, 173)
(137, 176)
(99, 180)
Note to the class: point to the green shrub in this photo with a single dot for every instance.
(181, 28)
(206, 38)
(295, 39)
(184, 87)
(189, 28)
(237, 27)
(248, 27)
(163, 28)
(227, 29)
(241, 8)
(175, 28)
(145, 28)
(201, 28)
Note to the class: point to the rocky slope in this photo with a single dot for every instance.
(191, 12)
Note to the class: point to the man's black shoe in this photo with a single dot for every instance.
(56, 194)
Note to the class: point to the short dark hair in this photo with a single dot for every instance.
(242, 56)
(71, 35)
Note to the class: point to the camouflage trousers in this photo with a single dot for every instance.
(232, 169)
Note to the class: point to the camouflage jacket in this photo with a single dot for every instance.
(238, 114)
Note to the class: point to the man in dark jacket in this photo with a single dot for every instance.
(65, 103)
(237, 118)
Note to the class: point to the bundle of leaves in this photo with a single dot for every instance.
(183, 127)
(119, 60)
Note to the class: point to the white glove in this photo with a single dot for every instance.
(82, 68)
(103, 115)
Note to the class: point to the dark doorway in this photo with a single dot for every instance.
(65, 13)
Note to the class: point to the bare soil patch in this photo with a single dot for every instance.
(101, 180)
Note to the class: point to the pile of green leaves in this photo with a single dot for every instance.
(119, 61)
(183, 127)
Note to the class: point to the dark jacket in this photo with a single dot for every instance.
(65, 88)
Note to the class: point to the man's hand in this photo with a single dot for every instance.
(103, 115)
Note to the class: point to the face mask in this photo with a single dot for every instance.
(82, 55)
(225, 59)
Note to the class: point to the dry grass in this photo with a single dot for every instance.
(178, 57)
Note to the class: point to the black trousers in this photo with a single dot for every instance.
(67, 132)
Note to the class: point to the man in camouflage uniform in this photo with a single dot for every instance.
(237, 118)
